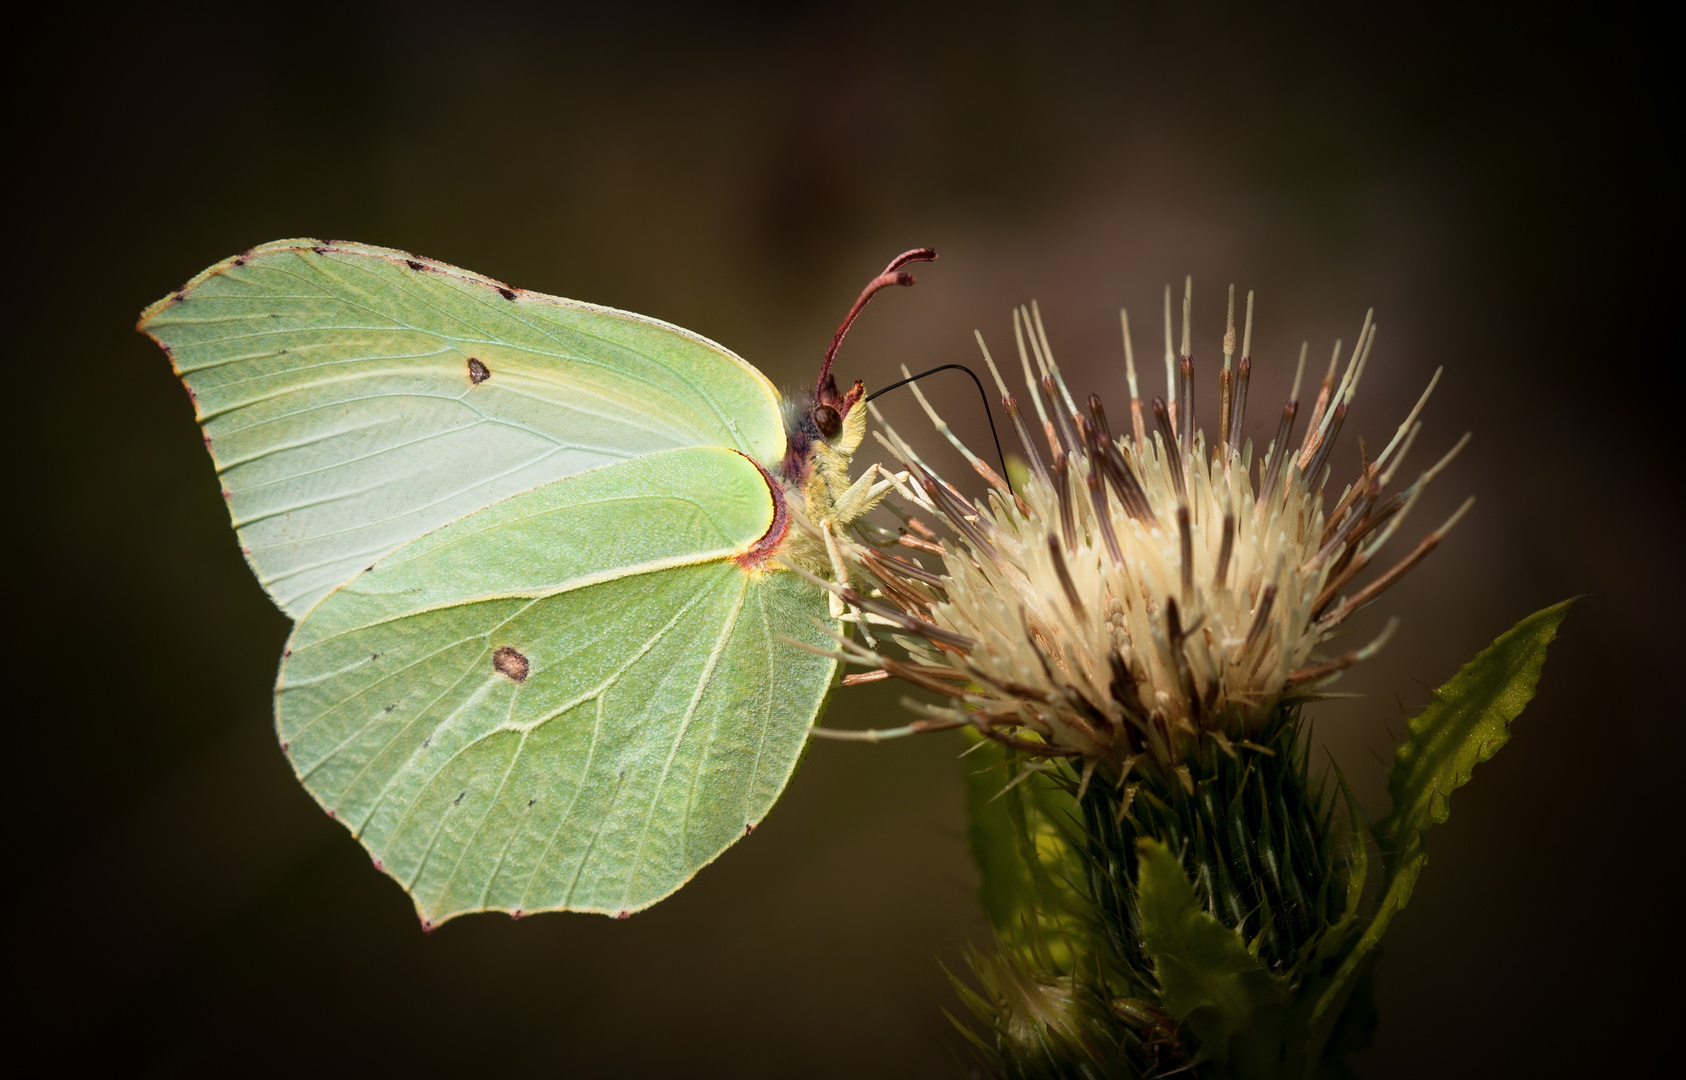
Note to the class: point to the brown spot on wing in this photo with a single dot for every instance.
(508, 293)
(511, 663)
(414, 265)
(477, 372)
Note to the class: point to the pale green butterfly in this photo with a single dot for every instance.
(548, 651)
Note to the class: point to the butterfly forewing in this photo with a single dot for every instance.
(573, 699)
(355, 398)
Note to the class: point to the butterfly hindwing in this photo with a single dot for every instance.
(573, 699)
(355, 398)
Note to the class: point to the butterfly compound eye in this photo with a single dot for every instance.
(828, 420)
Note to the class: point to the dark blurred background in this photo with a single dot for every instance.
(1491, 183)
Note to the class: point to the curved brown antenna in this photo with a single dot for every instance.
(892, 275)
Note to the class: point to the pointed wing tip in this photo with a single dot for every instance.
(176, 296)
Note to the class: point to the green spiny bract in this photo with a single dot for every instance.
(1071, 989)
(1250, 829)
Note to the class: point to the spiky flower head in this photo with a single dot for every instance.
(1138, 592)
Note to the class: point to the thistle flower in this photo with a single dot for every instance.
(1138, 593)
(1153, 605)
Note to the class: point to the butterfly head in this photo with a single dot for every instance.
(827, 423)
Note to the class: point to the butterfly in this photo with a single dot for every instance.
(549, 652)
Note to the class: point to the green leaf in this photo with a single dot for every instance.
(1465, 723)
(1353, 1029)
(573, 699)
(1208, 980)
(1026, 868)
(996, 833)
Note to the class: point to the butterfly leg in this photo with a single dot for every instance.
(873, 735)
(862, 496)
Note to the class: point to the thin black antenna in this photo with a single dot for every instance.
(987, 414)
